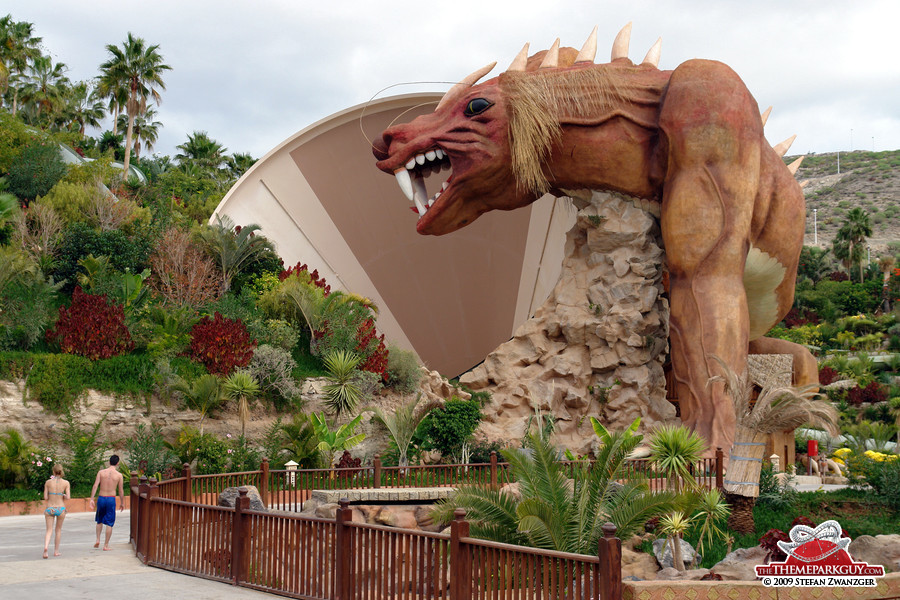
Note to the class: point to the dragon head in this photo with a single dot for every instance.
(489, 142)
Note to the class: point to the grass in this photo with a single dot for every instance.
(854, 509)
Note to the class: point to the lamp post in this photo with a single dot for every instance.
(815, 227)
(291, 467)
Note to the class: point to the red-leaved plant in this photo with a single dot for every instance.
(314, 278)
(871, 394)
(372, 347)
(92, 327)
(769, 542)
(827, 375)
(221, 344)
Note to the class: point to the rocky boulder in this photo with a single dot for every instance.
(638, 566)
(739, 565)
(228, 496)
(663, 552)
(878, 550)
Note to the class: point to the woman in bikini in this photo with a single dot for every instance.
(56, 492)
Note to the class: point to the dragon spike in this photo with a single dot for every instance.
(521, 59)
(795, 165)
(620, 45)
(551, 59)
(462, 86)
(589, 50)
(765, 115)
(782, 148)
(652, 57)
(804, 183)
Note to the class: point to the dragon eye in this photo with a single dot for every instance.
(477, 106)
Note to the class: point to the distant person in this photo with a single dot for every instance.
(107, 480)
(56, 491)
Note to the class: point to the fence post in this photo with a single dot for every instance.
(609, 549)
(140, 547)
(343, 552)
(239, 537)
(264, 482)
(493, 469)
(460, 567)
(377, 464)
(720, 469)
(133, 508)
(186, 489)
(148, 515)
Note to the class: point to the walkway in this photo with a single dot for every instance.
(83, 572)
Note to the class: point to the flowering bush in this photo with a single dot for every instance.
(221, 344)
(40, 468)
(242, 456)
(303, 271)
(91, 327)
(212, 455)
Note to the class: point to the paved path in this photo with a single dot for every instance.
(84, 572)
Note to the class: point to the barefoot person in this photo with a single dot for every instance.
(108, 480)
(56, 492)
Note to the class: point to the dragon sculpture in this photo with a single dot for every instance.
(690, 141)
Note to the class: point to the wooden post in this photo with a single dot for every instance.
(240, 538)
(343, 552)
(377, 464)
(149, 512)
(140, 547)
(609, 549)
(720, 469)
(133, 484)
(460, 565)
(187, 489)
(264, 482)
(493, 469)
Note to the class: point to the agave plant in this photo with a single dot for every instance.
(674, 449)
(554, 512)
(401, 423)
(204, 395)
(242, 387)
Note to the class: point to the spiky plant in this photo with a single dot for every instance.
(401, 423)
(556, 513)
(674, 449)
(777, 408)
(673, 526)
(242, 387)
(342, 393)
(204, 395)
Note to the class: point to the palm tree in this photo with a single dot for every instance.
(239, 163)
(886, 264)
(301, 443)
(140, 68)
(204, 394)
(401, 424)
(241, 386)
(777, 408)
(116, 94)
(203, 151)
(815, 263)
(82, 106)
(43, 87)
(233, 248)
(674, 525)
(554, 513)
(18, 50)
(856, 228)
(146, 130)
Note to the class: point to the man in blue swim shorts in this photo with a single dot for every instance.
(108, 480)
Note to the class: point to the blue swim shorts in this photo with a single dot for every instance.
(106, 510)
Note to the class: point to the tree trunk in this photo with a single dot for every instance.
(128, 135)
(741, 517)
(677, 558)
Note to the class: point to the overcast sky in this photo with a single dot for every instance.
(252, 74)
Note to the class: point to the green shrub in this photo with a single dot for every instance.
(20, 495)
(57, 380)
(403, 371)
(884, 478)
(71, 201)
(212, 455)
(125, 252)
(86, 448)
(36, 170)
(273, 369)
(147, 451)
(14, 137)
(242, 455)
(449, 426)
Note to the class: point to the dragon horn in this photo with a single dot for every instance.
(462, 86)
(551, 60)
(795, 165)
(521, 59)
(765, 115)
(620, 46)
(589, 50)
(782, 148)
(652, 57)
(804, 183)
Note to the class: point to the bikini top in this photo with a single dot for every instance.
(56, 493)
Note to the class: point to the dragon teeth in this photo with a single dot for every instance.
(411, 178)
(405, 183)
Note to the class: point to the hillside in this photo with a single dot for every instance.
(870, 180)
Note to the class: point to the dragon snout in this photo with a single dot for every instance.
(380, 149)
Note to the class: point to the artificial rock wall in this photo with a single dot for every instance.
(598, 344)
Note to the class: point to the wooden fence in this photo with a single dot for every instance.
(305, 557)
(289, 489)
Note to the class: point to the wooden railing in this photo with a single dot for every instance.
(306, 557)
(289, 489)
